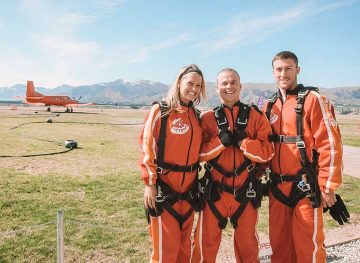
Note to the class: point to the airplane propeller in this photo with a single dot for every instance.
(78, 98)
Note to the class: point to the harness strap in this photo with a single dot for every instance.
(164, 167)
(179, 218)
(236, 172)
(243, 195)
(285, 139)
(282, 178)
(167, 197)
(308, 167)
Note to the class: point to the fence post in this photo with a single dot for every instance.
(60, 237)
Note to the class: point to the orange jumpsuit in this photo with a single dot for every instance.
(257, 148)
(296, 234)
(182, 146)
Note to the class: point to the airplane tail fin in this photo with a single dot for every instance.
(30, 90)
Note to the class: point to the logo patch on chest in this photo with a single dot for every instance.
(179, 127)
(273, 117)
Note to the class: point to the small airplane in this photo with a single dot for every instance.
(34, 97)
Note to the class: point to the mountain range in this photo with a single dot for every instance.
(144, 92)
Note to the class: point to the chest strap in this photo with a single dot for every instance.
(164, 168)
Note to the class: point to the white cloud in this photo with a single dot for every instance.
(243, 29)
(145, 52)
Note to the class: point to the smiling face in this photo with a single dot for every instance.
(228, 87)
(190, 87)
(285, 72)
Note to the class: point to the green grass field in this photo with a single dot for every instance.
(97, 186)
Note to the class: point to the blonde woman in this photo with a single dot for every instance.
(171, 140)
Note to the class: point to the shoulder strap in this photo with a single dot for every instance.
(242, 117)
(271, 102)
(299, 109)
(220, 117)
(197, 112)
(162, 135)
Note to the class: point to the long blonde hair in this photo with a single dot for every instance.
(173, 96)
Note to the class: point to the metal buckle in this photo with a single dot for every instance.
(235, 190)
(191, 196)
(241, 123)
(281, 178)
(250, 193)
(250, 168)
(235, 172)
(160, 170)
(265, 178)
(208, 166)
(221, 123)
(281, 138)
(191, 168)
(300, 144)
(159, 198)
(303, 186)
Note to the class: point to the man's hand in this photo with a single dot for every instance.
(226, 137)
(238, 137)
(338, 211)
(328, 199)
(149, 196)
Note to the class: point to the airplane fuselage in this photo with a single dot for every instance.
(52, 100)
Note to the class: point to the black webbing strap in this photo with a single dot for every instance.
(282, 178)
(241, 118)
(162, 135)
(300, 144)
(164, 167)
(271, 102)
(293, 199)
(284, 138)
(243, 115)
(167, 197)
(240, 194)
(236, 172)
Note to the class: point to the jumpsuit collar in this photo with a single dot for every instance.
(236, 104)
(294, 91)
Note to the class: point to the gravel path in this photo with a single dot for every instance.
(348, 253)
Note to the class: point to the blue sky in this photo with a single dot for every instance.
(87, 42)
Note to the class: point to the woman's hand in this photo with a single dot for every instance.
(149, 196)
(328, 199)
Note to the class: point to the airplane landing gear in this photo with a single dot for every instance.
(69, 109)
(48, 109)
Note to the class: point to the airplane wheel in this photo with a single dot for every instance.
(71, 110)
